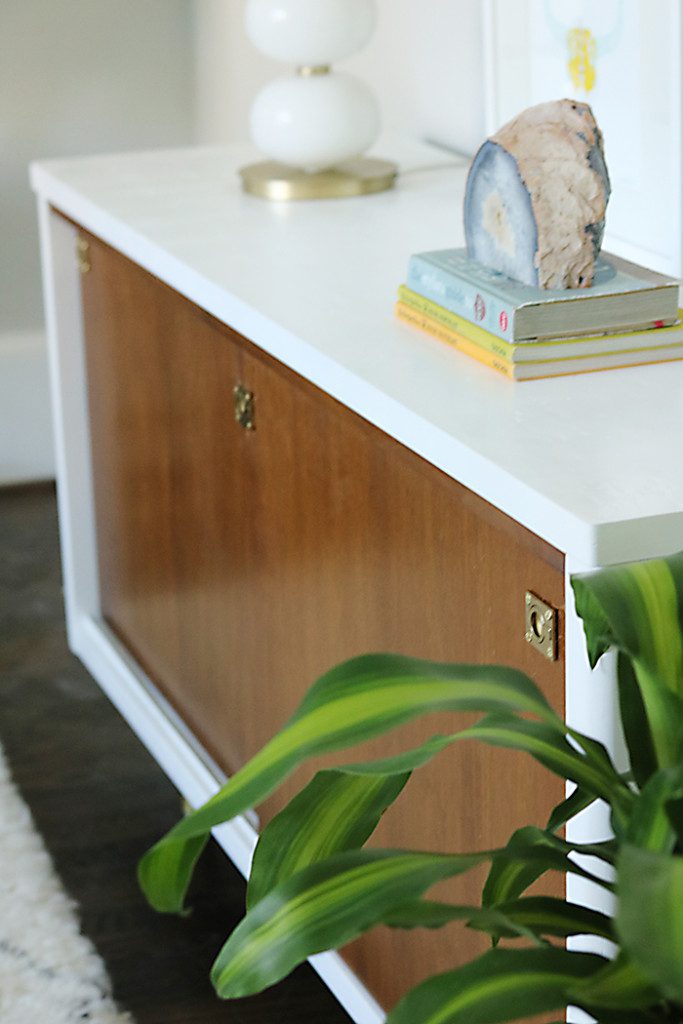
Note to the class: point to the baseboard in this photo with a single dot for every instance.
(26, 447)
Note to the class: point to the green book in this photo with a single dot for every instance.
(623, 297)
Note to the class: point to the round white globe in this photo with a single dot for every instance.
(314, 122)
(309, 32)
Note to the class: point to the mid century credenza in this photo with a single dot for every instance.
(261, 473)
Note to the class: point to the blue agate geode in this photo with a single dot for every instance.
(536, 197)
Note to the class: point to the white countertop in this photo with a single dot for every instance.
(591, 463)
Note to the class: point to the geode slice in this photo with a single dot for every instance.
(536, 197)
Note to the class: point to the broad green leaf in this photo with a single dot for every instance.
(547, 915)
(532, 916)
(340, 809)
(674, 810)
(333, 901)
(552, 750)
(502, 985)
(575, 803)
(650, 915)
(665, 716)
(637, 733)
(650, 825)
(322, 907)
(530, 852)
(429, 914)
(578, 801)
(636, 609)
(619, 985)
(336, 811)
(548, 745)
(353, 702)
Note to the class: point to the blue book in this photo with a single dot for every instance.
(623, 297)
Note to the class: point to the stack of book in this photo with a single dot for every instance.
(628, 316)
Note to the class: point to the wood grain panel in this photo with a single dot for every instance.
(165, 460)
(240, 565)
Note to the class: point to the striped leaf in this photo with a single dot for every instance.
(322, 907)
(594, 772)
(336, 811)
(353, 702)
(586, 758)
(334, 901)
(531, 852)
(649, 918)
(637, 609)
(340, 809)
(502, 985)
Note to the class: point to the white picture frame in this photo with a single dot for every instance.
(624, 58)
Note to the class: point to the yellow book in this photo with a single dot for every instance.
(540, 368)
(557, 348)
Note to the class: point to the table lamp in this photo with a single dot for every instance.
(316, 124)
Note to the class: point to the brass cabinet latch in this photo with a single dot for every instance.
(244, 406)
(83, 255)
(541, 626)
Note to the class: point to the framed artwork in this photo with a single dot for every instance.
(624, 58)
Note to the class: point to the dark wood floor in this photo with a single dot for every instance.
(99, 801)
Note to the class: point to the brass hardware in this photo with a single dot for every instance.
(307, 70)
(244, 406)
(273, 180)
(541, 626)
(83, 255)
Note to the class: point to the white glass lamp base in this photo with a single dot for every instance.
(314, 121)
(310, 31)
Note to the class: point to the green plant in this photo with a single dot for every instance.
(314, 885)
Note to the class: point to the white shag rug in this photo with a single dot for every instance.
(49, 972)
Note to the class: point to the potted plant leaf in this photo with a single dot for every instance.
(327, 887)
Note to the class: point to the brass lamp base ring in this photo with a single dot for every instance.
(273, 180)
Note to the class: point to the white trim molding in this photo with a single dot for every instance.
(26, 447)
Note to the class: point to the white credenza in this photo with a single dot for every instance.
(393, 494)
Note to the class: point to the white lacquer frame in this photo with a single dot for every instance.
(591, 706)
(590, 696)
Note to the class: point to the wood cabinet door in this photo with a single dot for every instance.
(238, 565)
(358, 545)
(169, 506)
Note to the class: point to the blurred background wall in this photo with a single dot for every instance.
(86, 76)
(76, 76)
(424, 63)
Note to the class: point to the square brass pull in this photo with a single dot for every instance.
(541, 626)
(83, 255)
(244, 406)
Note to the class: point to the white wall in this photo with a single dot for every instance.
(76, 76)
(81, 76)
(424, 62)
